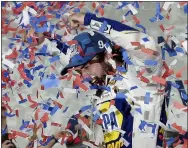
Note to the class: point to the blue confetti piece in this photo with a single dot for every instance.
(76, 10)
(3, 131)
(134, 87)
(11, 45)
(118, 78)
(170, 51)
(153, 19)
(6, 74)
(96, 117)
(47, 141)
(142, 125)
(29, 40)
(45, 106)
(105, 88)
(9, 115)
(27, 83)
(170, 141)
(103, 27)
(145, 39)
(163, 54)
(42, 29)
(159, 16)
(44, 124)
(52, 28)
(50, 109)
(23, 101)
(184, 96)
(174, 85)
(147, 98)
(150, 62)
(139, 110)
(24, 124)
(57, 95)
(120, 95)
(142, 27)
(85, 108)
(128, 13)
(49, 83)
(136, 4)
(121, 69)
(54, 110)
(179, 49)
(185, 8)
(125, 57)
(65, 110)
(158, 9)
(58, 16)
(153, 129)
(43, 49)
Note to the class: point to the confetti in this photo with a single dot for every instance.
(159, 80)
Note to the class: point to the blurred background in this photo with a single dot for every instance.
(176, 27)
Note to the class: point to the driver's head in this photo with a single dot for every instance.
(94, 62)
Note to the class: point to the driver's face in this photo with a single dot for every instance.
(91, 69)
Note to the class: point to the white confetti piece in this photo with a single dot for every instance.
(184, 44)
(125, 142)
(89, 144)
(134, 11)
(174, 62)
(166, 5)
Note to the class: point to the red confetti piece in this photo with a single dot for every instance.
(81, 5)
(20, 134)
(71, 3)
(13, 55)
(101, 11)
(99, 121)
(162, 27)
(72, 42)
(179, 106)
(21, 98)
(61, 94)
(17, 113)
(5, 98)
(44, 118)
(182, 3)
(55, 124)
(8, 107)
(185, 143)
(34, 105)
(143, 79)
(37, 114)
(147, 51)
(78, 82)
(94, 5)
(135, 43)
(141, 73)
(58, 104)
(112, 102)
(159, 80)
(22, 73)
(137, 21)
(179, 73)
(42, 87)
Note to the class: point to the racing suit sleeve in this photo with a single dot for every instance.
(119, 33)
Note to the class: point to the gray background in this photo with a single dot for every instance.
(146, 11)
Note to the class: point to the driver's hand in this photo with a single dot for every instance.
(76, 20)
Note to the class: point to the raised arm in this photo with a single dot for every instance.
(117, 32)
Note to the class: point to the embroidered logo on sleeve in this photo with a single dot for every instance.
(96, 25)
